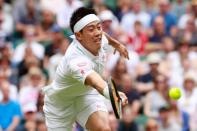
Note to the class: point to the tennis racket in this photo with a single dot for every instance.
(115, 99)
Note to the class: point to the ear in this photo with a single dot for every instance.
(78, 36)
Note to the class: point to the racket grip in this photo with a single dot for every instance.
(106, 92)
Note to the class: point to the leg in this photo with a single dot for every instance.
(59, 129)
(98, 121)
(92, 112)
(58, 117)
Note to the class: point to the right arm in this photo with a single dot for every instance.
(82, 70)
(96, 81)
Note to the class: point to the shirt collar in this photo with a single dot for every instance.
(84, 50)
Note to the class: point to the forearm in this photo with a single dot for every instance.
(14, 124)
(116, 44)
(96, 81)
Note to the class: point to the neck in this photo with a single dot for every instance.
(95, 52)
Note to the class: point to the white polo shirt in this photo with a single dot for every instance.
(73, 69)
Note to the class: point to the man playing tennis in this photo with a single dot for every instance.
(76, 94)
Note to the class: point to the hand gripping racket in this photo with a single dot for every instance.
(115, 99)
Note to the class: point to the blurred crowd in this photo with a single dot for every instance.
(161, 36)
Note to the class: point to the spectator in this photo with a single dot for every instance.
(127, 123)
(37, 48)
(157, 34)
(29, 93)
(127, 86)
(26, 13)
(178, 116)
(137, 40)
(109, 22)
(136, 14)
(7, 8)
(64, 14)
(164, 120)
(151, 125)
(168, 46)
(44, 28)
(191, 12)
(189, 94)
(164, 11)
(13, 92)
(28, 123)
(189, 33)
(145, 80)
(123, 7)
(6, 26)
(156, 98)
(179, 8)
(182, 57)
(57, 38)
(119, 69)
(30, 60)
(9, 110)
(151, 6)
(54, 59)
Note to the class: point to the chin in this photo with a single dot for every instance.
(98, 44)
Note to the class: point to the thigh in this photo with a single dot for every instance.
(59, 117)
(59, 129)
(98, 120)
(88, 105)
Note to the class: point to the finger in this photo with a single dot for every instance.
(124, 102)
(127, 54)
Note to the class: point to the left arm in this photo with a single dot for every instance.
(14, 124)
(118, 46)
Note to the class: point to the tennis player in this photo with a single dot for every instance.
(76, 93)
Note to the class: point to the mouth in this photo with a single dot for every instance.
(97, 40)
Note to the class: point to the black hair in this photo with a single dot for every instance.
(78, 14)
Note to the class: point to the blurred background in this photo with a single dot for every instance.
(161, 36)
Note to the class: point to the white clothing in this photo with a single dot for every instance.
(28, 95)
(19, 53)
(53, 63)
(64, 14)
(128, 20)
(67, 99)
(132, 63)
(176, 69)
(188, 103)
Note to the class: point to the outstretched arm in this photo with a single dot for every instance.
(118, 46)
(96, 81)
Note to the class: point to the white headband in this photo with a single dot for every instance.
(84, 21)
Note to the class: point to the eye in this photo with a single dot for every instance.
(91, 29)
(99, 27)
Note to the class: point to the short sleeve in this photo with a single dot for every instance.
(80, 68)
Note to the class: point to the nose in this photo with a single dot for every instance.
(98, 32)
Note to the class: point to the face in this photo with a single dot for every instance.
(126, 82)
(159, 24)
(90, 37)
(189, 84)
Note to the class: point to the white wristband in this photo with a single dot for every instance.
(106, 92)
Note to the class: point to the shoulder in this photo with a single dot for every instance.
(79, 62)
(14, 103)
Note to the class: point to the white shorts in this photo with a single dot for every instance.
(60, 115)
